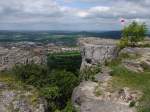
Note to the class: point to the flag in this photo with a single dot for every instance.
(122, 20)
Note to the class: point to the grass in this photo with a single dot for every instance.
(121, 57)
(11, 81)
(122, 77)
(16, 85)
(139, 81)
(97, 91)
(88, 73)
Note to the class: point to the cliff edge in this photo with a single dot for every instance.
(96, 51)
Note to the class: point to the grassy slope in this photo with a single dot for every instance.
(138, 81)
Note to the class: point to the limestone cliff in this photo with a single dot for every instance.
(96, 50)
(99, 95)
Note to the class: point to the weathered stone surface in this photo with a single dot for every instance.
(104, 106)
(104, 75)
(133, 65)
(141, 61)
(100, 96)
(16, 55)
(85, 100)
(14, 100)
(96, 50)
(136, 50)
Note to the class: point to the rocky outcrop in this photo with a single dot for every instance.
(85, 99)
(99, 97)
(13, 99)
(140, 58)
(16, 55)
(96, 51)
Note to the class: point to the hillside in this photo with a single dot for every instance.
(57, 37)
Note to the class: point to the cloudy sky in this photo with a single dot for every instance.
(71, 14)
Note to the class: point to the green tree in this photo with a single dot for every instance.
(66, 81)
(69, 61)
(133, 33)
(58, 92)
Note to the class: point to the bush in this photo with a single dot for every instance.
(66, 81)
(132, 104)
(70, 61)
(123, 43)
(55, 86)
(51, 94)
(88, 73)
(69, 107)
(133, 33)
(31, 74)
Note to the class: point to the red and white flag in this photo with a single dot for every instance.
(122, 20)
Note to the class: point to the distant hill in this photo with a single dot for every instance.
(57, 37)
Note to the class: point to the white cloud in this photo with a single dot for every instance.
(100, 9)
(82, 14)
(53, 15)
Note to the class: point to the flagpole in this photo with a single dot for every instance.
(122, 20)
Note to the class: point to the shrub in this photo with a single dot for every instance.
(133, 33)
(31, 74)
(132, 104)
(69, 107)
(98, 91)
(69, 61)
(66, 81)
(88, 73)
(55, 86)
(51, 94)
(123, 43)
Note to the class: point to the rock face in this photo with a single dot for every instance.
(96, 50)
(141, 60)
(15, 55)
(16, 100)
(98, 97)
(85, 100)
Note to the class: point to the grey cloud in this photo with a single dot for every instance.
(49, 14)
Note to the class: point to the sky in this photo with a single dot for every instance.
(74, 15)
